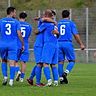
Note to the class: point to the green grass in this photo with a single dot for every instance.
(82, 82)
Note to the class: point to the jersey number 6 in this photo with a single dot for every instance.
(62, 30)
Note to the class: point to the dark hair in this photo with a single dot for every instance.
(23, 15)
(10, 9)
(53, 12)
(65, 13)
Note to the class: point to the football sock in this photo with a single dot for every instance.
(69, 67)
(33, 73)
(12, 72)
(17, 68)
(38, 74)
(60, 69)
(4, 69)
(22, 75)
(47, 73)
(55, 73)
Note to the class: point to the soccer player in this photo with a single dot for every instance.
(9, 32)
(50, 48)
(38, 46)
(26, 30)
(67, 28)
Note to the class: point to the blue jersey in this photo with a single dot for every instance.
(40, 37)
(48, 28)
(8, 29)
(26, 30)
(66, 28)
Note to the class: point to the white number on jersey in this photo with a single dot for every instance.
(8, 31)
(62, 30)
(23, 31)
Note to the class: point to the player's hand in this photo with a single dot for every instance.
(82, 47)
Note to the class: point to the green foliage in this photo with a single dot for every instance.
(44, 4)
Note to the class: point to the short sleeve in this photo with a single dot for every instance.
(74, 28)
(42, 27)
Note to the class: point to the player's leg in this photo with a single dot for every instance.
(17, 67)
(61, 58)
(23, 59)
(17, 70)
(4, 71)
(47, 74)
(23, 69)
(32, 75)
(12, 57)
(12, 71)
(47, 55)
(38, 73)
(37, 69)
(70, 55)
(3, 54)
(54, 68)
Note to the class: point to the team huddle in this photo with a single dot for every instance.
(53, 43)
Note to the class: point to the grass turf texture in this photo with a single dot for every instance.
(82, 82)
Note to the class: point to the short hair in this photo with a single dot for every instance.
(53, 12)
(65, 13)
(10, 9)
(48, 13)
(23, 15)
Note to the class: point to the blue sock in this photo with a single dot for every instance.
(17, 68)
(4, 69)
(22, 75)
(55, 73)
(12, 72)
(70, 66)
(33, 73)
(47, 73)
(60, 69)
(38, 74)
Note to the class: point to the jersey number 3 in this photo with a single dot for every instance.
(62, 30)
(8, 31)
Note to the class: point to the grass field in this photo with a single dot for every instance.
(82, 82)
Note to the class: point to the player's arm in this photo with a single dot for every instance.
(45, 19)
(49, 20)
(40, 29)
(77, 38)
(21, 39)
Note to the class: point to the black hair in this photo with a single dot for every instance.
(53, 12)
(23, 15)
(65, 13)
(10, 9)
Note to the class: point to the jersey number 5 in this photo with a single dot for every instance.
(62, 30)
(8, 31)
(23, 31)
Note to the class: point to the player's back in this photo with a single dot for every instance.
(66, 28)
(8, 29)
(49, 37)
(26, 30)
